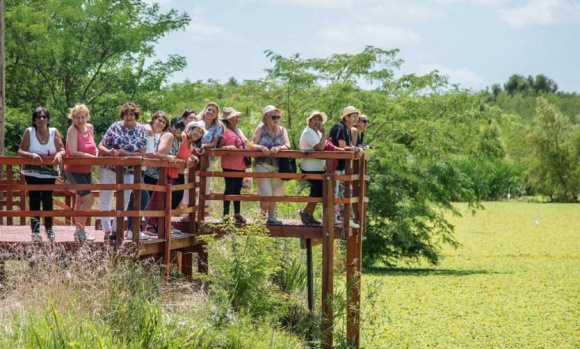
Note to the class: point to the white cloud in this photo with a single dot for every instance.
(491, 3)
(353, 38)
(462, 76)
(542, 12)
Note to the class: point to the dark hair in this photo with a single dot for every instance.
(187, 112)
(130, 107)
(177, 122)
(160, 114)
(37, 112)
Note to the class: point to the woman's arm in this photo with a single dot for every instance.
(256, 138)
(59, 147)
(164, 148)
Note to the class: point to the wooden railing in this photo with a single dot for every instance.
(13, 205)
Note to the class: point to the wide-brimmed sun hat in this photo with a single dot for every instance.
(314, 113)
(194, 124)
(349, 110)
(270, 108)
(229, 113)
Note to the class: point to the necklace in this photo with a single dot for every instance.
(42, 140)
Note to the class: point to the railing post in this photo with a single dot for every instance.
(120, 205)
(328, 259)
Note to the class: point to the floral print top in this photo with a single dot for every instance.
(129, 139)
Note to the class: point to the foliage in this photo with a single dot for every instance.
(60, 53)
(104, 300)
(554, 148)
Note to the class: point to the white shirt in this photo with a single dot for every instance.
(308, 140)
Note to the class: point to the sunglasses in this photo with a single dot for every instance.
(364, 121)
(275, 117)
(42, 116)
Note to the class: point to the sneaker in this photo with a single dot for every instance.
(50, 234)
(81, 235)
(337, 222)
(304, 217)
(273, 221)
(36, 237)
(175, 231)
(313, 221)
(142, 236)
(239, 219)
(352, 224)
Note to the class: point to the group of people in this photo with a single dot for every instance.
(181, 138)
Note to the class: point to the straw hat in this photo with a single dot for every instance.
(229, 113)
(314, 113)
(349, 110)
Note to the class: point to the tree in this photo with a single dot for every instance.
(553, 167)
(63, 52)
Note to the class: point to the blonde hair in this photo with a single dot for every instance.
(215, 121)
(78, 109)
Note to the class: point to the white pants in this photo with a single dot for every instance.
(107, 176)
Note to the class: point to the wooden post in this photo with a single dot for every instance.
(328, 259)
(120, 205)
(203, 163)
(2, 94)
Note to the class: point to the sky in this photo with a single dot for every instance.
(475, 43)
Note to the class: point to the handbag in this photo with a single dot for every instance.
(248, 161)
(331, 163)
(287, 165)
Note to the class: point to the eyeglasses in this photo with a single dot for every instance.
(364, 121)
(275, 117)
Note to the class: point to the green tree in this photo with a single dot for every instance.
(63, 52)
(553, 167)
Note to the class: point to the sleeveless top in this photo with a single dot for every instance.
(269, 142)
(48, 149)
(154, 148)
(84, 145)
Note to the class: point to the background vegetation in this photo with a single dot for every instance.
(432, 142)
(514, 283)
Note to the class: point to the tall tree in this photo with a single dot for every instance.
(62, 52)
(553, 142)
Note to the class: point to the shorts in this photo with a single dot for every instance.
(80, 178)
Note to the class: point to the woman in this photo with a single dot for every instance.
(215, 129)
(123, 138)
(313, 138)
(233, 138)
(40, 141)
(358, 132)
(188, 116)
(80, 143)
(269, 137)
(162, 140)
(341, 137)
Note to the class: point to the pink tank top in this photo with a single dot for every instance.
(84, 145)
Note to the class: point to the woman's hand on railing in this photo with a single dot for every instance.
(37, 158)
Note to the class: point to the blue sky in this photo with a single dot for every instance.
(476, 43)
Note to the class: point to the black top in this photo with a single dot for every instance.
(340, 132)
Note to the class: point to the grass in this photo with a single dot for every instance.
(512, 284)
